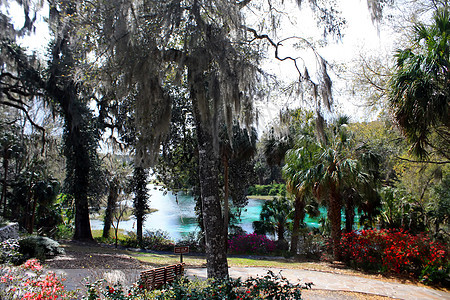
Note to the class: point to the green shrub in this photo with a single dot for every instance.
(39, 247)
(9, 252)
(64, 231)
(3, 222)
(276, 189)
(194, 241)
(271, 286)
(151, 240)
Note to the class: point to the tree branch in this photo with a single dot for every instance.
(424, 161)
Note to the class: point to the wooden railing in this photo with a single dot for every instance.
(156, 278)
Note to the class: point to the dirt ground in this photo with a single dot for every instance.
(94, 256)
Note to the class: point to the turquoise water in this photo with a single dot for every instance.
(176, 215)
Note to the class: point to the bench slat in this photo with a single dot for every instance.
(156, 278)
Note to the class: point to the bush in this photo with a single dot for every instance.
(3, 222)
(396, 252)
(96, 289)
(276, 189)
(29, 282)
(310, 244)
(39, 247)
(194, 241)
(151, 240)
(251, 244)
(9, 252)
(271, 286)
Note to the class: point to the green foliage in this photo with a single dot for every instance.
(310, 243)
(195, 241)
(151, 240)
(270, 286)
(275, 217)
(97, 290)
(140, 201)
(276, 189)
(9, 252)
(252, 243)
(419, 87)
(64, 205)
(39, 247)
(438, 210)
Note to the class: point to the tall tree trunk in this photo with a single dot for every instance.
(66, 93)
(5, 179)
(140, 201)
(349, 214)
(216, 256)
(81, 184)
(280, 232)
(334, 215)
(299, 216)
(110, 207)
(226, 206)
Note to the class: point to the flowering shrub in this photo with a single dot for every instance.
(116, 292)
(251, 244)
(9, 252)
(396, 252)
(271, 286)
(29, 282)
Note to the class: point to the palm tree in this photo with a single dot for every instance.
(326, 170)
(334, 172)
(298, 162)
(274, 218)
(420, 89)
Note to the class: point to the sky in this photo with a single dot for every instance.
(360, 35)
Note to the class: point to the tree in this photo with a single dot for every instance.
(81, 135)
(236, 153)
(117, 181)
(139, 187)
(274, 218)
(419, 88)
(202, 45)
(212, 65)
(328, 170)
(299, 160)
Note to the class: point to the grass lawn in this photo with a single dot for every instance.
(121, 234)
(200, 261)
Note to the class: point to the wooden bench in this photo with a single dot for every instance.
(156, 278)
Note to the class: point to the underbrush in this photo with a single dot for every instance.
(270, 286)
(151, 240)
(31, 281)
(251, 244)
(397, 252)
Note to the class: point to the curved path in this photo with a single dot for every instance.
(321, 280)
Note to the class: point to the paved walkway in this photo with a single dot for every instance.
(321, 280)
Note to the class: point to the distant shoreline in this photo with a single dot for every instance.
(260, 197)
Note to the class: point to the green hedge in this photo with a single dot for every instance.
(277, 189)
